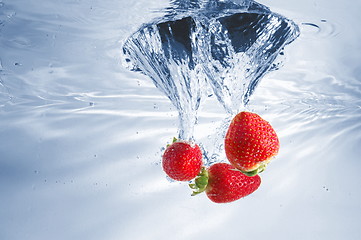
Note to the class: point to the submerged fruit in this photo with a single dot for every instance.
(223, 183)
(226, 184)
(250, 143)
(182, 161)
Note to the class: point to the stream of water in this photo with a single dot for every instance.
(226, 45)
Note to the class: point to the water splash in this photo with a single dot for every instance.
(226, 45)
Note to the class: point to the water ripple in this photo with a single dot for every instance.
(319, 29)
(82, 137)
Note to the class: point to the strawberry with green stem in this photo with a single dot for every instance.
(182, 160)
(223, 183)
(250, 143)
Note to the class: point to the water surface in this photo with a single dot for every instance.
(81, 136)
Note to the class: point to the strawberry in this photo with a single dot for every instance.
(182, 161)
(250, 143)
(223, 183)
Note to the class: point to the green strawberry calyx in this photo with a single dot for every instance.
(173, 141)
(256, 171)
(200, 182)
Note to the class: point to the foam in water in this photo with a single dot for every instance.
(226, 45)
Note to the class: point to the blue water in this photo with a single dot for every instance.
(205, 48)
(81, 136)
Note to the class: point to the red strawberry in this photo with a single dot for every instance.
(250, 143)
(225, 183)
(182, 161)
